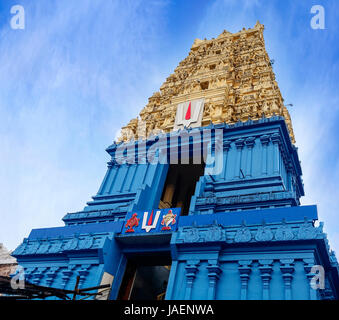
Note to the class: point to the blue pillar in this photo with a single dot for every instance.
(287, 269)
(191, 267)
(214, 271)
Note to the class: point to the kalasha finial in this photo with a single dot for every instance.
(258, 25)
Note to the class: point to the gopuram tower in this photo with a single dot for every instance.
(201, 198)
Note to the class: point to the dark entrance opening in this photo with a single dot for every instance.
(180, 186)
(145, 279)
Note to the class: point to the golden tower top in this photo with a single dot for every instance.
(232, 74)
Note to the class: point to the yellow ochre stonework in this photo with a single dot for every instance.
(234, 75)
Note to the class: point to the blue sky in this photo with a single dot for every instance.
(77, 73)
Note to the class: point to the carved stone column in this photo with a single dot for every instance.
(287, 269)
(227, 146)
(276, 156)
(245, 271)
(266, 275)
(214, 271)
(239, 145)
(249, 142)
(264, 142)
(191, 268)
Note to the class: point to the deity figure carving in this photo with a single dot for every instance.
(236, 61)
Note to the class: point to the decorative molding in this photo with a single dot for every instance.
(86, 243)
(265, 139)
(245, 270)
(38, 275)
(239, 143)
(61, 245)
(214, 271)
(192, 267)
(83, 273)
(227, 145)
(264, 233)
(191, 235)
(266, 274)
(246, 198)
(67, 274)
(51, 275)
(245, 234)
(307, 231)
(250, 142)
(214, 233)
(284, 232)
(287, 270)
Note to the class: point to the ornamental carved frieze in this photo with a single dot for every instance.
(60, 245)
(284, 233)
(191, 235)
(243, 235)
(214, 233)
(32, 248)
(71, 244)
(232, 73)
(56, 247)
(248, 234)
(308, 231)
(86, 243)
(264, 233)
(222, 199)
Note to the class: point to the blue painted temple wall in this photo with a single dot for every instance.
(245, 236)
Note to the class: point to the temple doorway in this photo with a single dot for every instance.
(144, 282)
(146, 275)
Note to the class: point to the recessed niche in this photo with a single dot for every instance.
(204, 85)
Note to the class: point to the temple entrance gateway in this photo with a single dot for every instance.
(231, 229)
(144, 282)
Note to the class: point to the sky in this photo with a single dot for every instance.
(77, 73)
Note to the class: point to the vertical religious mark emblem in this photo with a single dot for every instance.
(150, 222)
(168, 220)
(132, 222)
(189, 114)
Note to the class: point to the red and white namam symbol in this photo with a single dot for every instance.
(132, 222)
(149, 223)
(168, 220)
(189, 114)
